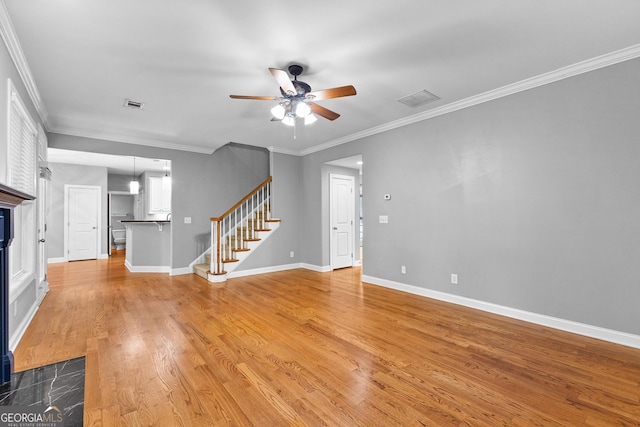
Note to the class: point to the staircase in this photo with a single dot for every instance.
(237, 233)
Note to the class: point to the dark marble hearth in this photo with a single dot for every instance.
(60, 385)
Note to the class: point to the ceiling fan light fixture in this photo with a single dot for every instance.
(289, 120)
(278, 111)
(310, 119)
(303, 109)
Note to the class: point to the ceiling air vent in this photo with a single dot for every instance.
(133, 104)
(419, 98)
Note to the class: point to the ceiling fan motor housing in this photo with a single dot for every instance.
(295, 70)
(301, 89)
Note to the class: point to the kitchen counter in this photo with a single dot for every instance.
(148, 248)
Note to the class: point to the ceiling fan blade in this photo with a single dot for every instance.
(283, 80)
(336, 92)
(260, 98)
(323, 112)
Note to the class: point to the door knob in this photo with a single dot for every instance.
(335, 228)
(42, 240)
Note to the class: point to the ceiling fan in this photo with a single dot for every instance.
(297, 98)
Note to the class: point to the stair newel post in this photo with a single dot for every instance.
(218, 248)
(212, 261)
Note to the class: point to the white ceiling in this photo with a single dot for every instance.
(184, 58)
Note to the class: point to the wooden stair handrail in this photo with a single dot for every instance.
(216, 230)
(234, 207)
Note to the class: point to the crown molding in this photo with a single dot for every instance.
(283, 151)
(602, 61)
(130, 140)
(17, 55)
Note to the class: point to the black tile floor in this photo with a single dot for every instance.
(58, 385)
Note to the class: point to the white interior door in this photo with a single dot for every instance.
(82, 211)
(342, 207)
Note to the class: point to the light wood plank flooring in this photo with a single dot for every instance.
(305, 348)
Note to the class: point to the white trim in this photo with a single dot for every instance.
(582, 67)
(56, 260)
(180, 271)
(271, 269)
(597, 332)
(17, 335)
(19, 284)
(284, 151)
(20, 61)
(147, 268)
(318, 268)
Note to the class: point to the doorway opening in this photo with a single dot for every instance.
(339, 243)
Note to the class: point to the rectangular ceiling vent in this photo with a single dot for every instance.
(133, 104)
(419, 98)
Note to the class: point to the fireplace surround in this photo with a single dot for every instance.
(9, 199)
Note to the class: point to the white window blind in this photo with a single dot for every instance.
(22, 146)
(21, 175)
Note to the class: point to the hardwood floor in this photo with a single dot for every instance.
(306, 348)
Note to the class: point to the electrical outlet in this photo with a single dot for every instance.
(384, 219)
(403, 269)
(291, 255)
(187, 220)
(454, 279)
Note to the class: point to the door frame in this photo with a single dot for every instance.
(352, 210)
(67, 187)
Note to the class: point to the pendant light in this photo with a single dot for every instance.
(134, 185)
(166, 178)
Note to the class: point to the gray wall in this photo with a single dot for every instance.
(531, 199)
(203, 185)
(117, 182)
(62, 174)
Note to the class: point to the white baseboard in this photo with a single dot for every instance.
(271, 269)
(56, 260)
(180, 271)
(14, 340)
(147, 268)
(318, 268)
(597, 332)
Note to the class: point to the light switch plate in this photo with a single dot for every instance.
(384, 219)
(187, 220)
